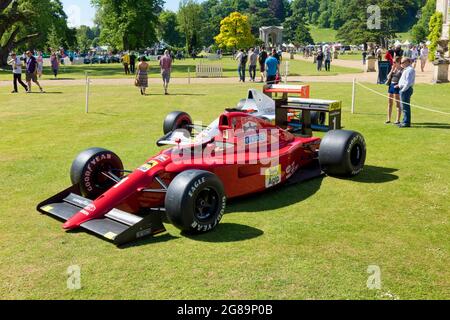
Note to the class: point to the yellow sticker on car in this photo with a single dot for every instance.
(47, 208)
(273, 176)
(146, 167)
(110, 235)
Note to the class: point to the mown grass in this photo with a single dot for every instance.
(181, 69)
(309, 241)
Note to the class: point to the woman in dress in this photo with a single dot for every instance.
(55, 64)
(40, 64)
(142, 75)
(394, 92)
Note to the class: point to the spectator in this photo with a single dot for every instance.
(253, 58)
(272, 69)
(414, 56)
(31, 71)
(398, 52)
(142, 75)
(328, 59)
(423, 57)
(406, 84)
(16, 64)
(241, 58)
(40, 64)
(133, 63)
(379, 53)
(166, 68)
(276, 55)
(262, 63)
(394, 92)
(389, 56)
(126, 63)
(54, 61)
(364, 56)
(319, 59)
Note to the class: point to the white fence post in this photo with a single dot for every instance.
(353, 95)
(87, 92)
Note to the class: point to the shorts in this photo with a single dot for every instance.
(393, 89)
(262, 67)
(166, 76)
(271, 79)
(31, 77)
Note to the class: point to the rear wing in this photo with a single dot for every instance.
(302, 91)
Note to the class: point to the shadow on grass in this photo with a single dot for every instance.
(175, 94)
(432, 125)
(277, 198)
(373, 174)
(227, 232)
(150, 240)
(46, 92)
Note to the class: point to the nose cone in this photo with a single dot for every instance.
(70, 225)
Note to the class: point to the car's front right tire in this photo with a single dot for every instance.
(195, 201)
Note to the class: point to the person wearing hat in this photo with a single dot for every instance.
(406, 84)
(16, 64)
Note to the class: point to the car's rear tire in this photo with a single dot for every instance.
(342, 153)
(177, 120)
(195, 201)
(87, 171)
(318, 118)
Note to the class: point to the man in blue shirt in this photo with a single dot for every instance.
(272, 68)
(406, 85)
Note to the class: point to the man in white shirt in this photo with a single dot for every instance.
(423, 57)
(16, 64)
(406, 85)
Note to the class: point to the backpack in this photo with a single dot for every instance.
(244, 58)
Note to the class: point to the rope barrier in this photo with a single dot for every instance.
(412, 105)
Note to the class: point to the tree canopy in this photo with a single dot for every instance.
(235, 32)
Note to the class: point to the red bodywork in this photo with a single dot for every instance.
(239, 177)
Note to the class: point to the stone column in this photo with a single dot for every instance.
(441, 64)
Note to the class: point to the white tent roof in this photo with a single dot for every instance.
(291, 45)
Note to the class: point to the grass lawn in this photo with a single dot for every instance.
(180, 70)
(309, 241)
(322, 34)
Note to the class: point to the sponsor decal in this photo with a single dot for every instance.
(47, 208)
(162, 158)
(91, 207)
(149, 165)
(250, 126)
(85, 212)
(291, 169)
(143, 233)
(84, 203)
(273, 176)
(110, 235)
(255, 138)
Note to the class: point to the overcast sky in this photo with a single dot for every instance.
(80, 12)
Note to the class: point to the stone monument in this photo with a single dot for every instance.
(271, 36)
(442, 62)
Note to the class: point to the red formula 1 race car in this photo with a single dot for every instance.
(189, 183)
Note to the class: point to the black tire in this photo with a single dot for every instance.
(342, 153)
(87, 171)
(318, 118)
(195, 201)
(177, 120)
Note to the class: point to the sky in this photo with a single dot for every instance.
(80, 12)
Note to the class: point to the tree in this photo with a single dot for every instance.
(127, 24)
(190, 22)
(419, 31)
(435, 29)
(235, 32)
(168, 29)
(28, 24)
(297, 31)
(87, 37)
